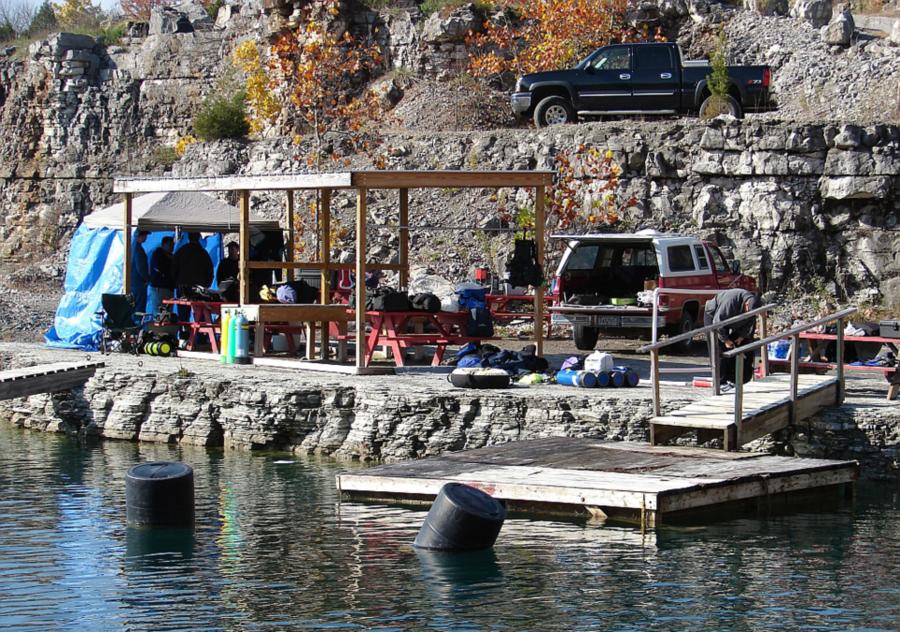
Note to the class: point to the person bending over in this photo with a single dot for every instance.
(727, 305)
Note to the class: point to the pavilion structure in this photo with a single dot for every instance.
(326, 184)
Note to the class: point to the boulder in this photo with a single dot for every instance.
(442, 28)
(816, 12)
(894, 37)
(164, 20)
(839, 31)
(197, 14)
(60, 43)
(855, 187)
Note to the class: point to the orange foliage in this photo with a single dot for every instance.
(585, 191)
(325, 73)
(549, 34)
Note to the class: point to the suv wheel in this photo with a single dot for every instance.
(553, 111)
(585, 337)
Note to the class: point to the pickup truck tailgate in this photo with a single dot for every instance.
(607, 316)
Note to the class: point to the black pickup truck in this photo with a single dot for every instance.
(649, 78)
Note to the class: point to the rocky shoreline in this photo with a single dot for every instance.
(391, 418)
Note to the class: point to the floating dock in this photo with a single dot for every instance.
(630, 482)
(45, 378)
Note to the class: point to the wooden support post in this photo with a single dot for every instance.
(654, 377)
(288, 273)
(360, 287)
(126, 236)
(764, 351)
(244, 271)
(539, 291)
(839, 360)
(325, 259)
(404, 238)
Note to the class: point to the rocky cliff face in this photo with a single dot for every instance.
(791, 199)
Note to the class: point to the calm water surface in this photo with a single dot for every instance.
(273, 550)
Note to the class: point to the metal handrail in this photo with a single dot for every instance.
(793, 331)
(707, 328)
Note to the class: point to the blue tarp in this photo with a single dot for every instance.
(95, 268)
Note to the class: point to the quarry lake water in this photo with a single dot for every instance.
(273, 549)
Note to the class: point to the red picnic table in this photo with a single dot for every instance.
(391, 329)
(202, 313)
(500, 306)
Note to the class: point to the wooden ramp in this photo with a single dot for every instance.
(766, 408)
(633, 482)
(45, 378)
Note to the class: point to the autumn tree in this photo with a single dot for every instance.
(324, 71)
(140, 9)
(536, 35)
(73, 13)
(262, 104)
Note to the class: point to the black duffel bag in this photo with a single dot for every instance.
(384, 299)
(425, 302)
(480, 323)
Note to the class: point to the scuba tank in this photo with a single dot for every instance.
(241, 330)
(225, 339)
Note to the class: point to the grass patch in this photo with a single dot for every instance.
(430, 6)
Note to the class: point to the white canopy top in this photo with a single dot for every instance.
(188, 210)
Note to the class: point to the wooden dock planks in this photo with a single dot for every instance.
(624, 480)
(45, 378)
(767, 408)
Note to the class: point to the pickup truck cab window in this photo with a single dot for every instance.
(701, 257)
(613, 58)
(652, 57)
(680, 259)
(719, 262)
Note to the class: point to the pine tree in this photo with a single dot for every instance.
(44, 20)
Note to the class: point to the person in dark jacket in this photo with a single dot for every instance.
(723, 306)
(192, 265)
(162, 285)
(140, 272)
(227, 273)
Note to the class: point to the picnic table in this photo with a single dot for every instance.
(391, 329)
(205, 320)
(892, 373)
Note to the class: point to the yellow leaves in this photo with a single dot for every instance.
(71, 12)
(246, 56)
(182, 143)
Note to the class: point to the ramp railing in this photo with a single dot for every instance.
(709, 330)
(794, 334)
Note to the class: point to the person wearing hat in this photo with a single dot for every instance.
(721, 307)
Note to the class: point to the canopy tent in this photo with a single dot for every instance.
(187, 210)
(97, 254)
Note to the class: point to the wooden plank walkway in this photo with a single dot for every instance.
(45, 378)
(634, 482)
(767, 408)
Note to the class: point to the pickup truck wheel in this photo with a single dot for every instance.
(553, 111)
(685, 325)
(585, 337)
(713, 106)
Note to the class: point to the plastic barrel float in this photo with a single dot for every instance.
(476, 377)
(584, 379)
(160, 494)
(462, 518)
(630, 376)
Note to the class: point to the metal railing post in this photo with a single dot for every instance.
(795, 374)
(713, 345)
(764, 350)
(653, 327)
(739, 391)
(839, 358)
(654, 375)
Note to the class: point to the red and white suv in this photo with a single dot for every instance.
(600, 277)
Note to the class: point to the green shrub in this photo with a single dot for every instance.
(212, 8)
(222, 116)
(430, 6)
(717, 80)
(7, 32)
(44, 20)
(165, 156)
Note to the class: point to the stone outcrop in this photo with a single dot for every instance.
(397, 417)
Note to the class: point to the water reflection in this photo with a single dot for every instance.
(272, 549)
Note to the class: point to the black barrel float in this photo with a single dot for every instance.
(474, 377)
(160, 494)
(462, 518)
